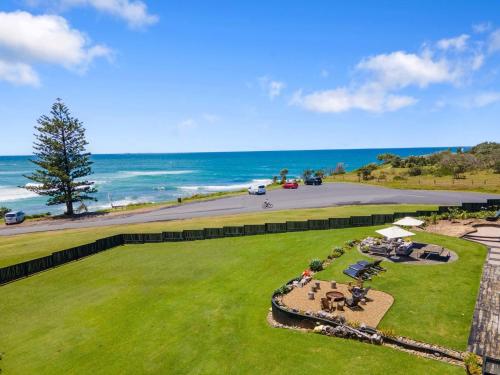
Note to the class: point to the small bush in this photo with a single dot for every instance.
(350, 243)
(415, 171)
(316, 265)
(3, 211)
(355, 324)
(433, 218)
(337, 252)
(284, 289)
(398, 178)
(388, 332)
(473, 364)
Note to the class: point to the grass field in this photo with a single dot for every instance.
(15, 249)
(484, 182)
(200, 308)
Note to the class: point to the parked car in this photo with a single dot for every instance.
(313, 181)
(14, 217)
(257, 190)
(290, 185)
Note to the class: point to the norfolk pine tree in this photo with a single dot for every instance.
(61, 159)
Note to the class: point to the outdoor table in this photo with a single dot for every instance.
(335, 296)
(429, 252)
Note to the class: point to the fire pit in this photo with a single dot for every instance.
(335, 296)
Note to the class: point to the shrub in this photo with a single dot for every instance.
(415, 171)
(284, 289)
(350, 243)
(388, 332)
(398, 178)
(355, 324)
(473, 364)
(337, 252)
(3, 211)
(433, 218)
(316, 265)
(340, 169)
(496, 167)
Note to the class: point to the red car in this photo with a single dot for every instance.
(290, 185)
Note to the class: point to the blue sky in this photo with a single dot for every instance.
(182, 76)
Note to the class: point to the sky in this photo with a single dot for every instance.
(195, 76)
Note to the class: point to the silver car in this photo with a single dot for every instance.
(14, 217)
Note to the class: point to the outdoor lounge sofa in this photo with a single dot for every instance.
(404, 248)
(380, 250)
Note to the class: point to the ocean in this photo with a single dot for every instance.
(136, 178)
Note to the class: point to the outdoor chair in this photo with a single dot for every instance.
(353, 303)
(494, 217)
(325, 304)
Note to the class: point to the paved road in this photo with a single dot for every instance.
(331, 194)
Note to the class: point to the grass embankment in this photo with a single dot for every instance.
(200, 308)
(19, 248)
(485, 182)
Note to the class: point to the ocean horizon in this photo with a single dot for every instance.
(154, 177)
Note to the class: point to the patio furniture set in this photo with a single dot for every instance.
(336, 300)
(386, 247)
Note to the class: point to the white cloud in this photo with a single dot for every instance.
(210, 118)
(494, 41)
(135, 13)
(484, 99)
(343, 99)
(325, 73)
(400, 69)
(477, 61)
(459, 43)
(42, 39)
(187, 125)
(481, 27)
(271, 87)
(18, 73)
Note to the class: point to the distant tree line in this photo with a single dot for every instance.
(484, 156)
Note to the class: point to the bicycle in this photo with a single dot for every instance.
(267, 204)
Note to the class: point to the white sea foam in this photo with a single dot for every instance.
(13, 173)
(125, 174)
(119, 202)
(12, 193)
(216, 188)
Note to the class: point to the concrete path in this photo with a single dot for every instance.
(331, 194)
(484, 337)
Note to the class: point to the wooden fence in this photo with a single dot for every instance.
(30, 267)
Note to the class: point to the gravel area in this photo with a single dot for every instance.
(370, 314)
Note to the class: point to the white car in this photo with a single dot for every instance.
(257, 189)
(14, 217)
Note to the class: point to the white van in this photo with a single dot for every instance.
(14, 217)
(257, 189)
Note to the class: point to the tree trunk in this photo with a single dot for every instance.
(69, 208)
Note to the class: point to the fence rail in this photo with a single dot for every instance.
(30, 267)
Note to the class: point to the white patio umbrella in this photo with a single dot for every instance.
(394, 232)
(409, 221)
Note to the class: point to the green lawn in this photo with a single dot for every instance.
(200, 308)
(19, 248)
